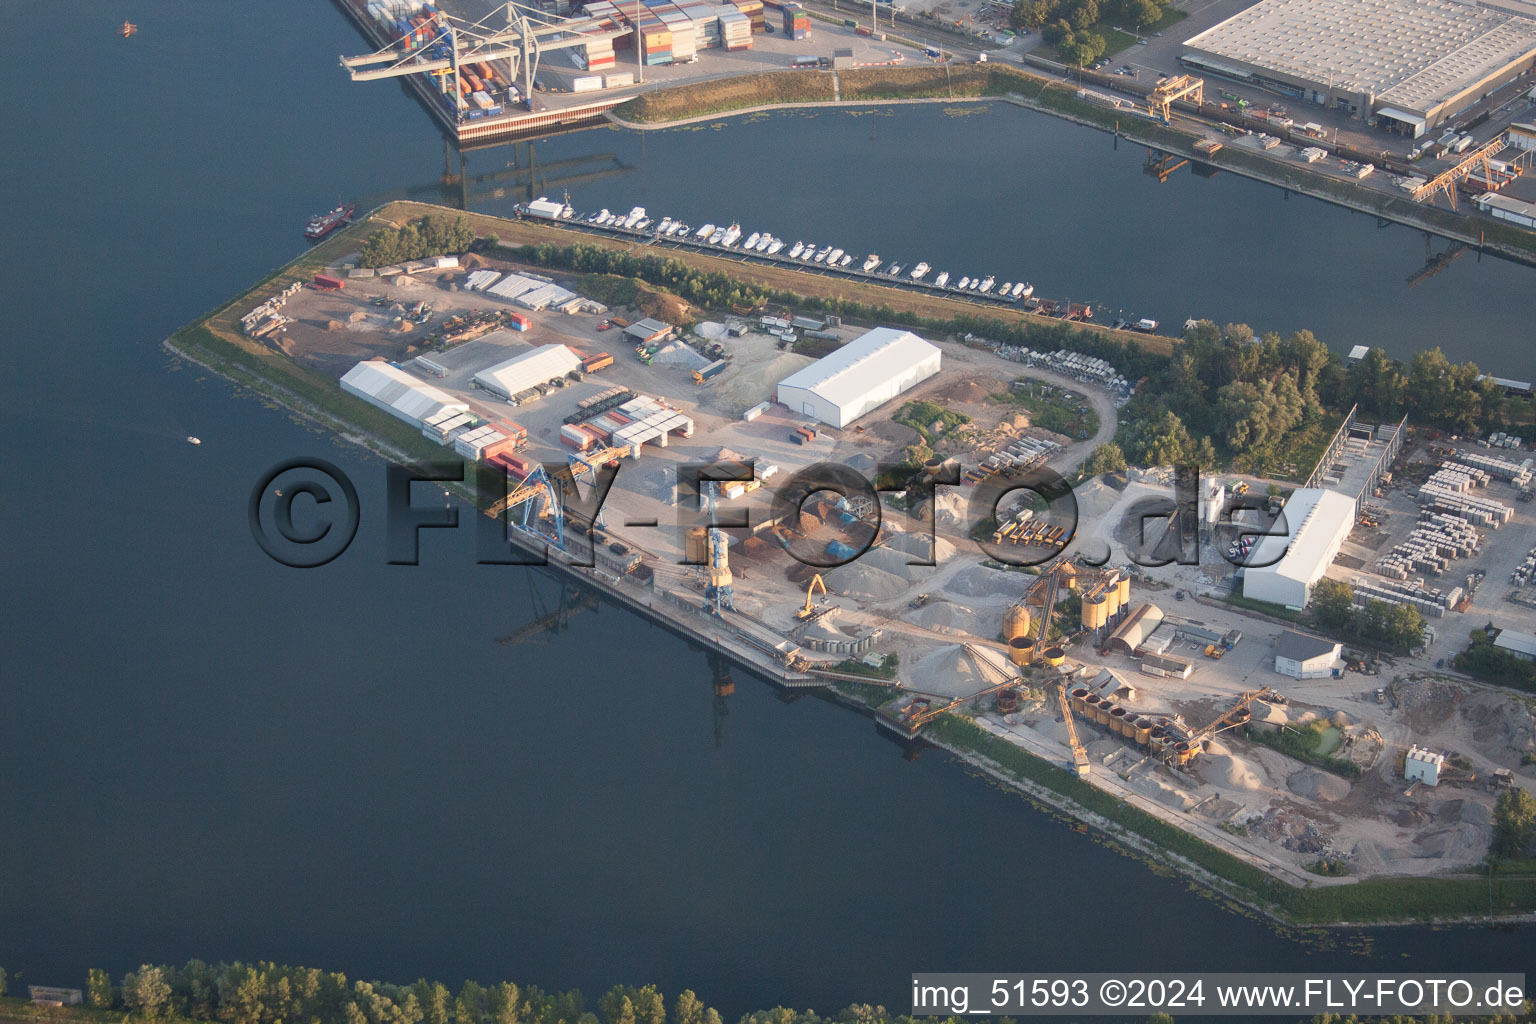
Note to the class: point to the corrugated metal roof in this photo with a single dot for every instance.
(394, 390)
(523, 371)
(1519, 643)
(856, 369)
(1313, 518)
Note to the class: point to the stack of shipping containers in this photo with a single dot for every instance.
(735, 29)
(706, 24)
(753, 9)
(681, 28)
(797, 21)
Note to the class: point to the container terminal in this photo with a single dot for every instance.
(494, 71)
(1143, 682)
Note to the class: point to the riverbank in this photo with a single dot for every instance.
(688, 104)
(215, 343)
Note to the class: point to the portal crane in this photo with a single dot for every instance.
(539, 499)
(1079, 755)
(1161, 99)
(584, 464)
(717, 571)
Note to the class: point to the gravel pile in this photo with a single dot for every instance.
(1317, 785)
(1231, 772)
(946, 616)
(918, 545)
(858, 579)
(979, 581)
(679, 354)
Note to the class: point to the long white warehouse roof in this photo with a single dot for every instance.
(861, 366)
(1314, 520)
(397, 392)
(523, 371)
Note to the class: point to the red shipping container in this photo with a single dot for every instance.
(328, 283)
(521, 321)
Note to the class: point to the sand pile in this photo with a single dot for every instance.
(970, 391)
(948, 617)
(892, 561)
(858, 579)
(1317, 785)
(1163, 792)
(1468, 811)
(679, 354)
(710, 330)
(1230, 772)
(1502, 727)
(920, 545)
(1460, 843)
(979, 581)
(948, 670)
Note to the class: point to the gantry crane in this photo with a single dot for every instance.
(524, 36)
(816, 582)
(1447, 180)
(1079, 755)
(1161, 99)
(539, 499)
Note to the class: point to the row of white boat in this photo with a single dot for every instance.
(730, 237)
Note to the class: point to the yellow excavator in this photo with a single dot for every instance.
(816, 584)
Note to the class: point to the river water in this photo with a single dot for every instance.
(204, 754)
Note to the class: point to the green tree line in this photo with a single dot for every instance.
(1398, 627)
(417, 240)
(268, 993)
(1228, 393)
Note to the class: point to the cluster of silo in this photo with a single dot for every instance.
(1435, 540)
(1156, 735)
(1104, 606)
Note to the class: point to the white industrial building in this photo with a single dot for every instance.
(1521, 645)
(1315, 522)
(523, 371)
(1408, 64)
(865, 373)
(1304, 656)
(398, 393)
(1423, 766)
(1516, 211)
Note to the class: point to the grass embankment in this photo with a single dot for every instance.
(720, 95)
(1377, 900)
